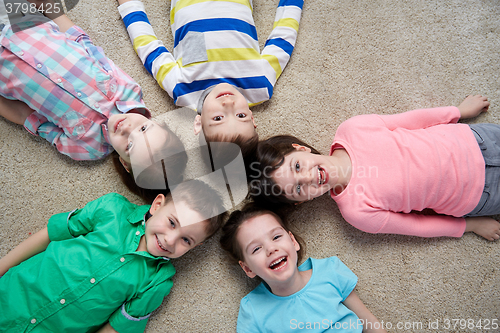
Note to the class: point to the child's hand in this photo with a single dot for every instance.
(483, 226)
(473, 106)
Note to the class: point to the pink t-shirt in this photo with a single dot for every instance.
(408, 162)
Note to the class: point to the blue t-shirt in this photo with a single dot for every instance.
(317, 307)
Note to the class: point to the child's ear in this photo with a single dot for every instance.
(301, 148)
(298, 203)
(254, 124)
(157, 203)
(247, 270)
(294, 241)
(197, 124)
(125, 164)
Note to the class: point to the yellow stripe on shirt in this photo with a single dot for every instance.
(287, 22)
(143, 40)
(274, 62)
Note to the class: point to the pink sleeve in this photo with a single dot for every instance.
(422, 118)
(387, 222)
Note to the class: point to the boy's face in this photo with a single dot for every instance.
(226, 112)
(172, 230)
(132, 134)
(304, 176)
(269, 251)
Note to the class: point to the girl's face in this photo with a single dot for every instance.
(304, 176)
(269, 251)
(133, 135)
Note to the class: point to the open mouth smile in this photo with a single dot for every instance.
(278, 263)
(160, 245)
(224, 94)
(322, 176)
(118, 124)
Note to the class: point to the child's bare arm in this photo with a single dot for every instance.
(483, 226)
(120, 2)
(370, 322)
(15, 111)
(472, 106)
(107, 329)
(28, 248)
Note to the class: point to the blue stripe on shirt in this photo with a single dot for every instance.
(298, 3)
(244, 83)
(152, 57)
(282, 44)
(133, 17)
(216, 24)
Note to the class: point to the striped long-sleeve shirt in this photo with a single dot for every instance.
(214, 42)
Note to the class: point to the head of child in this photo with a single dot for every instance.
(182, 219)
(263, 244)
(147, 154)
(224, 112)
(287, 170)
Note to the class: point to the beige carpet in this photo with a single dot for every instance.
(352, 57)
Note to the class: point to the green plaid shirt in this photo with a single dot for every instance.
(89, 274)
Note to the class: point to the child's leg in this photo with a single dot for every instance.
(15, 111)
(483, 226)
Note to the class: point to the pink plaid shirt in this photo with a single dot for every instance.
(70, 84)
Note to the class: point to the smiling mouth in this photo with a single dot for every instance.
(118, 124)
(279, 263)
(321, 176)
(160, 245)
(224, 94)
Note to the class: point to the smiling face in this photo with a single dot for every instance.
(304, 176)
(133, 135)
(269, 251)
(173, 229)
(225, 112)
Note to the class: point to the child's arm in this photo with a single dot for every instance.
(107, 329)
(28, 248)
(370, 322)
(55, 13)
(281, 42)
(483, 226)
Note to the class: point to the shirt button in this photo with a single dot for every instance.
(21, 53)
(92, 280)
(137, 232)
(33, 320)
(113, 88)
(39, 66)
(62, 301)
(122, 259)
(59, 80)
(96, 105)
(79, 94)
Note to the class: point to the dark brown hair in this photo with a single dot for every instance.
(269, 156)
(203, 199)
(230, 230)
(170, 169)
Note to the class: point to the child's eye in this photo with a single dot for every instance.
(241, 115)
(217, 118)
(256, 249)
(186, 240)
(172, 223)
(143, 128)
(276, 237)
(129, 145)
(298, 189)
(297, 166)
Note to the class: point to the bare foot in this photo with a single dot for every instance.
(472, 106)
(483, 226)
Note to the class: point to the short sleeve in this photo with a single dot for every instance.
(133, 316)
(82, 221)
(246, 318)
(343, 278)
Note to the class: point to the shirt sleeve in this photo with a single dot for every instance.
(422, 118)
(280, 43)
(80, 147)
(133, 316)
(246, 318)
(158, 61)
(342, 277)
(80, 221)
